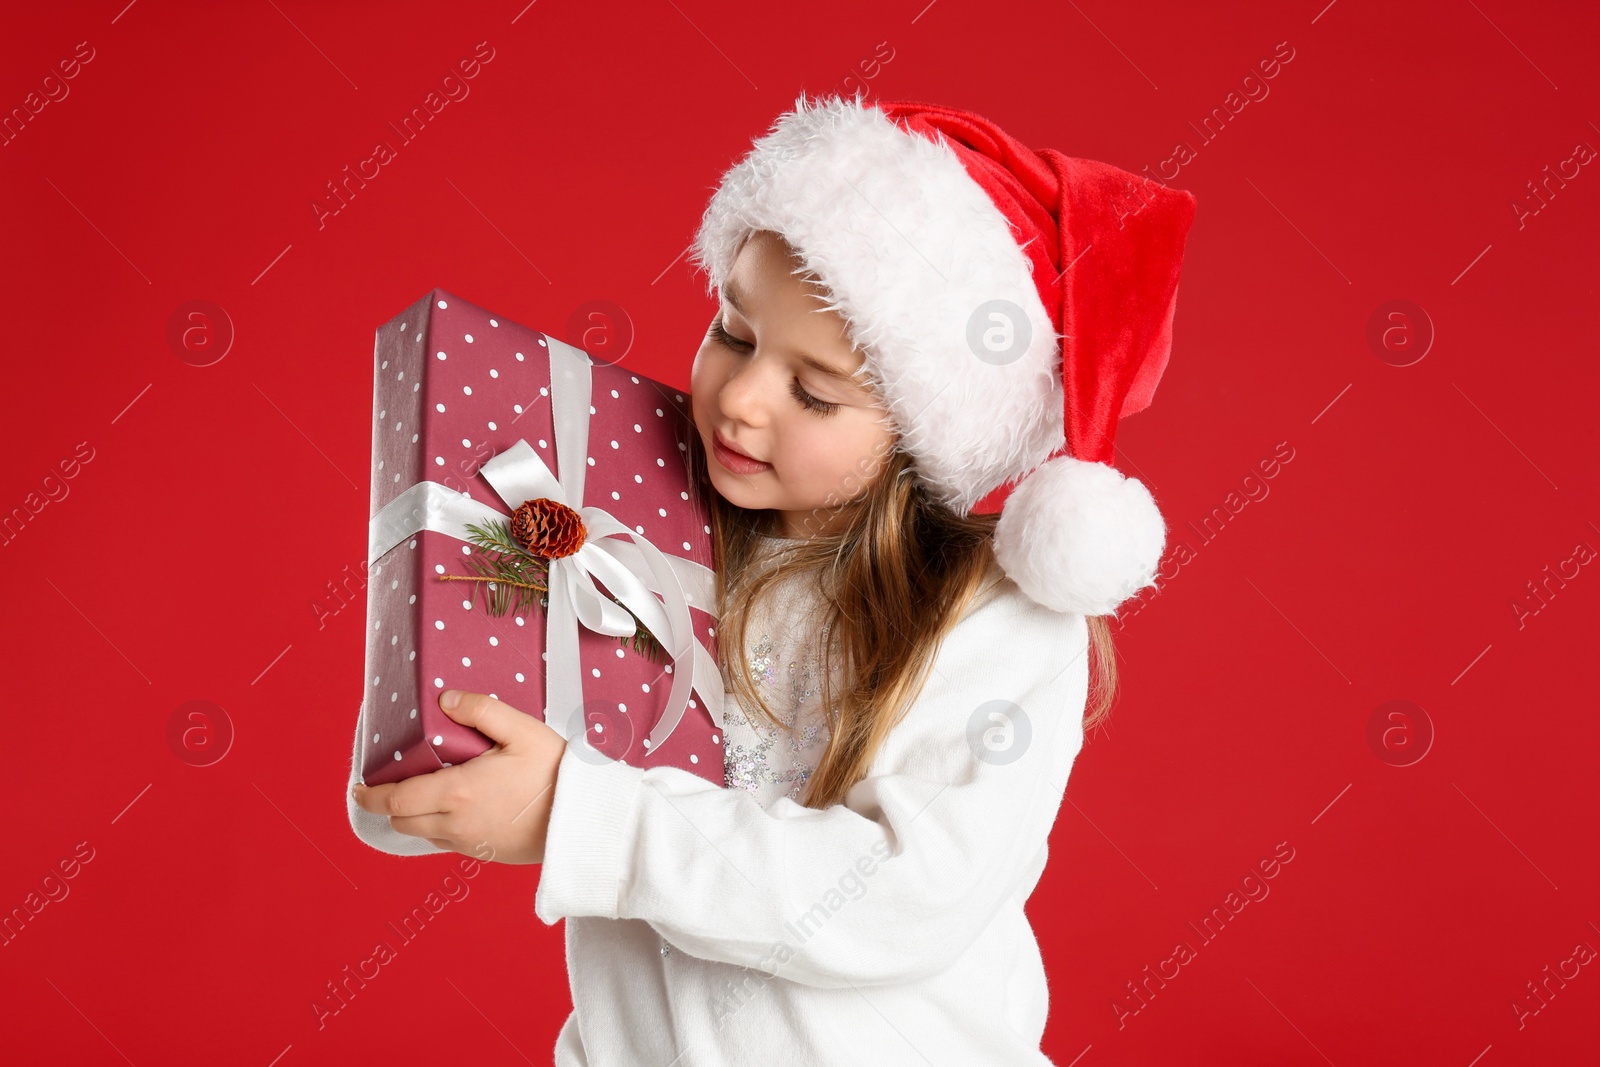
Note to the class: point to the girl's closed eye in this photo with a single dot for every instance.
(821, 407)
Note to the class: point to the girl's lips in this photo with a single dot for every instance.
(735, 461)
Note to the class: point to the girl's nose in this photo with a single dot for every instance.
(743, 394)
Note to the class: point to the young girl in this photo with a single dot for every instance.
(926, 334)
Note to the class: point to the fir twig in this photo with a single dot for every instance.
(514, 580)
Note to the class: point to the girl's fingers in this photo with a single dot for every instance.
(428, 826)
(496, 719)
(422, 795)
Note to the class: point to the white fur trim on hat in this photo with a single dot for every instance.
(1080, 537)
(919, 261)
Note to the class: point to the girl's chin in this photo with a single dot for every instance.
(737, 489)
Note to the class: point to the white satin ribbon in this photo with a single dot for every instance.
(632, 572)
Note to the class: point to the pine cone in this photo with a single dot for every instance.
(548, 528)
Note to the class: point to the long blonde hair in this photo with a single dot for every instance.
(895, 576)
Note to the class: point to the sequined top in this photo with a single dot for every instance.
(783, 640)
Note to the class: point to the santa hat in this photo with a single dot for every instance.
(1011, 306)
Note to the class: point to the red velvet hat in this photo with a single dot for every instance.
(1011, 304)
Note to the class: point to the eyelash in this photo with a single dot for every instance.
(821, 407)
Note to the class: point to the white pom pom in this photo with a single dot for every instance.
(1080, 537)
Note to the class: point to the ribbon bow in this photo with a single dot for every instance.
(634, 572)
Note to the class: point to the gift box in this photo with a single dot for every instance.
(536, 533)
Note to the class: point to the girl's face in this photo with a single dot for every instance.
(774, 380)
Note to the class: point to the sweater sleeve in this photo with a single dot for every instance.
(374, 828)
(893, 884)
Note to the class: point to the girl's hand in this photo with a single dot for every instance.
(495, 806)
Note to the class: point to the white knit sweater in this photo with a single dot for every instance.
(709, 927)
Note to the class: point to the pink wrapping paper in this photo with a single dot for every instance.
(453, 387)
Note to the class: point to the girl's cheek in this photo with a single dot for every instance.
(699, 388)
(704, 375)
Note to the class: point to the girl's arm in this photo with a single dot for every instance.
(890, 886)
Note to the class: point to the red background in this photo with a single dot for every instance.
(1383, 563)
